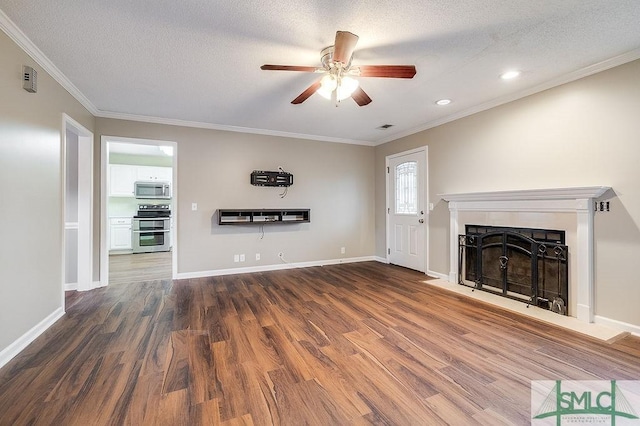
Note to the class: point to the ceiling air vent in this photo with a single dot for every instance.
(384, 126)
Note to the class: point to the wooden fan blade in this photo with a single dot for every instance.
(361, 97)
(288, 68)
(307, 93)
(344, 45)
(387, 71)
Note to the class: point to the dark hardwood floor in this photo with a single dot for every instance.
(362, 343)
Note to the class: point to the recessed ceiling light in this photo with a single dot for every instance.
(443, 102)
(509, 75)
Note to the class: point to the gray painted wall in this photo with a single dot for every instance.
(580, 134)
(31, 175)
(334, 180)
(590, 127)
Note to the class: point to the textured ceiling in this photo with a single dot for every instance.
(199, 60)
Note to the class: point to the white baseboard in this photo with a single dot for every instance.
(617, 325)
(94, 285)
(70, 286)
(98, 284)
(434, 274)
(23, 341)
(276, 267)
(381, 259)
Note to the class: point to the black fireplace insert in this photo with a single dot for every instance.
(526, 264)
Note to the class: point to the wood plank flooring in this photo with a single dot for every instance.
(362, 343)
(133, 268)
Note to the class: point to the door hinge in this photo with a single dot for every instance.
(388, 210)
(388, 251)
(387, 169)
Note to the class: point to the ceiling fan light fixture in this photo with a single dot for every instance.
(346, 88)
(336, 85)
(328, 84)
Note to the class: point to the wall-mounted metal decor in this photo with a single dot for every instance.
(265, 178)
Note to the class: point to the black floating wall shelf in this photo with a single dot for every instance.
(262, 178)
(262, 216)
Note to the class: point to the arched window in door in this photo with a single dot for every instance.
(407, 188)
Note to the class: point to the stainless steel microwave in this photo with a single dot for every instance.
(152, 190)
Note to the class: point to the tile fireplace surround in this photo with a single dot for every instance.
(568, 209)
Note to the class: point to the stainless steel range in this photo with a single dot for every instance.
(151, 228)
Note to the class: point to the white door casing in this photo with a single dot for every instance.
(85, 203)
(406, 214)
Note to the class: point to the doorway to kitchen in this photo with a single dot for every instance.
(138, 232)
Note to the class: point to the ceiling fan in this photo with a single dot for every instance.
(338, 82)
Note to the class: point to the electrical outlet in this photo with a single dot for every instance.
(430, 206)
(194, 206)
(343, 250)
(242, 257)
(236, 258)
(257, 256)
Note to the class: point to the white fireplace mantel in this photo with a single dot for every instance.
(578, 200)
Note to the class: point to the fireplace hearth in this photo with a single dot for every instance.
(526, 264)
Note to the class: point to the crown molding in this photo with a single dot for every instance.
(226, 128)
(563, 79)
(21, 39)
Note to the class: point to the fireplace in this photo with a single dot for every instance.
(524, 264)
(567, 209)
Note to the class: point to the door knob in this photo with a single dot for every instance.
(421, 220)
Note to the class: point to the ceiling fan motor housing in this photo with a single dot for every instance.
(326, 58)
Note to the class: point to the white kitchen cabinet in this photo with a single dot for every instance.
(120, 233)
(123, 176)
(153, 173)
(121, 179)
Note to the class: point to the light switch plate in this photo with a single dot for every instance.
(194, 206)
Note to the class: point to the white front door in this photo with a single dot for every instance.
(406, 204)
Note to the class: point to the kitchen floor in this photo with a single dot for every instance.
(133, 268)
